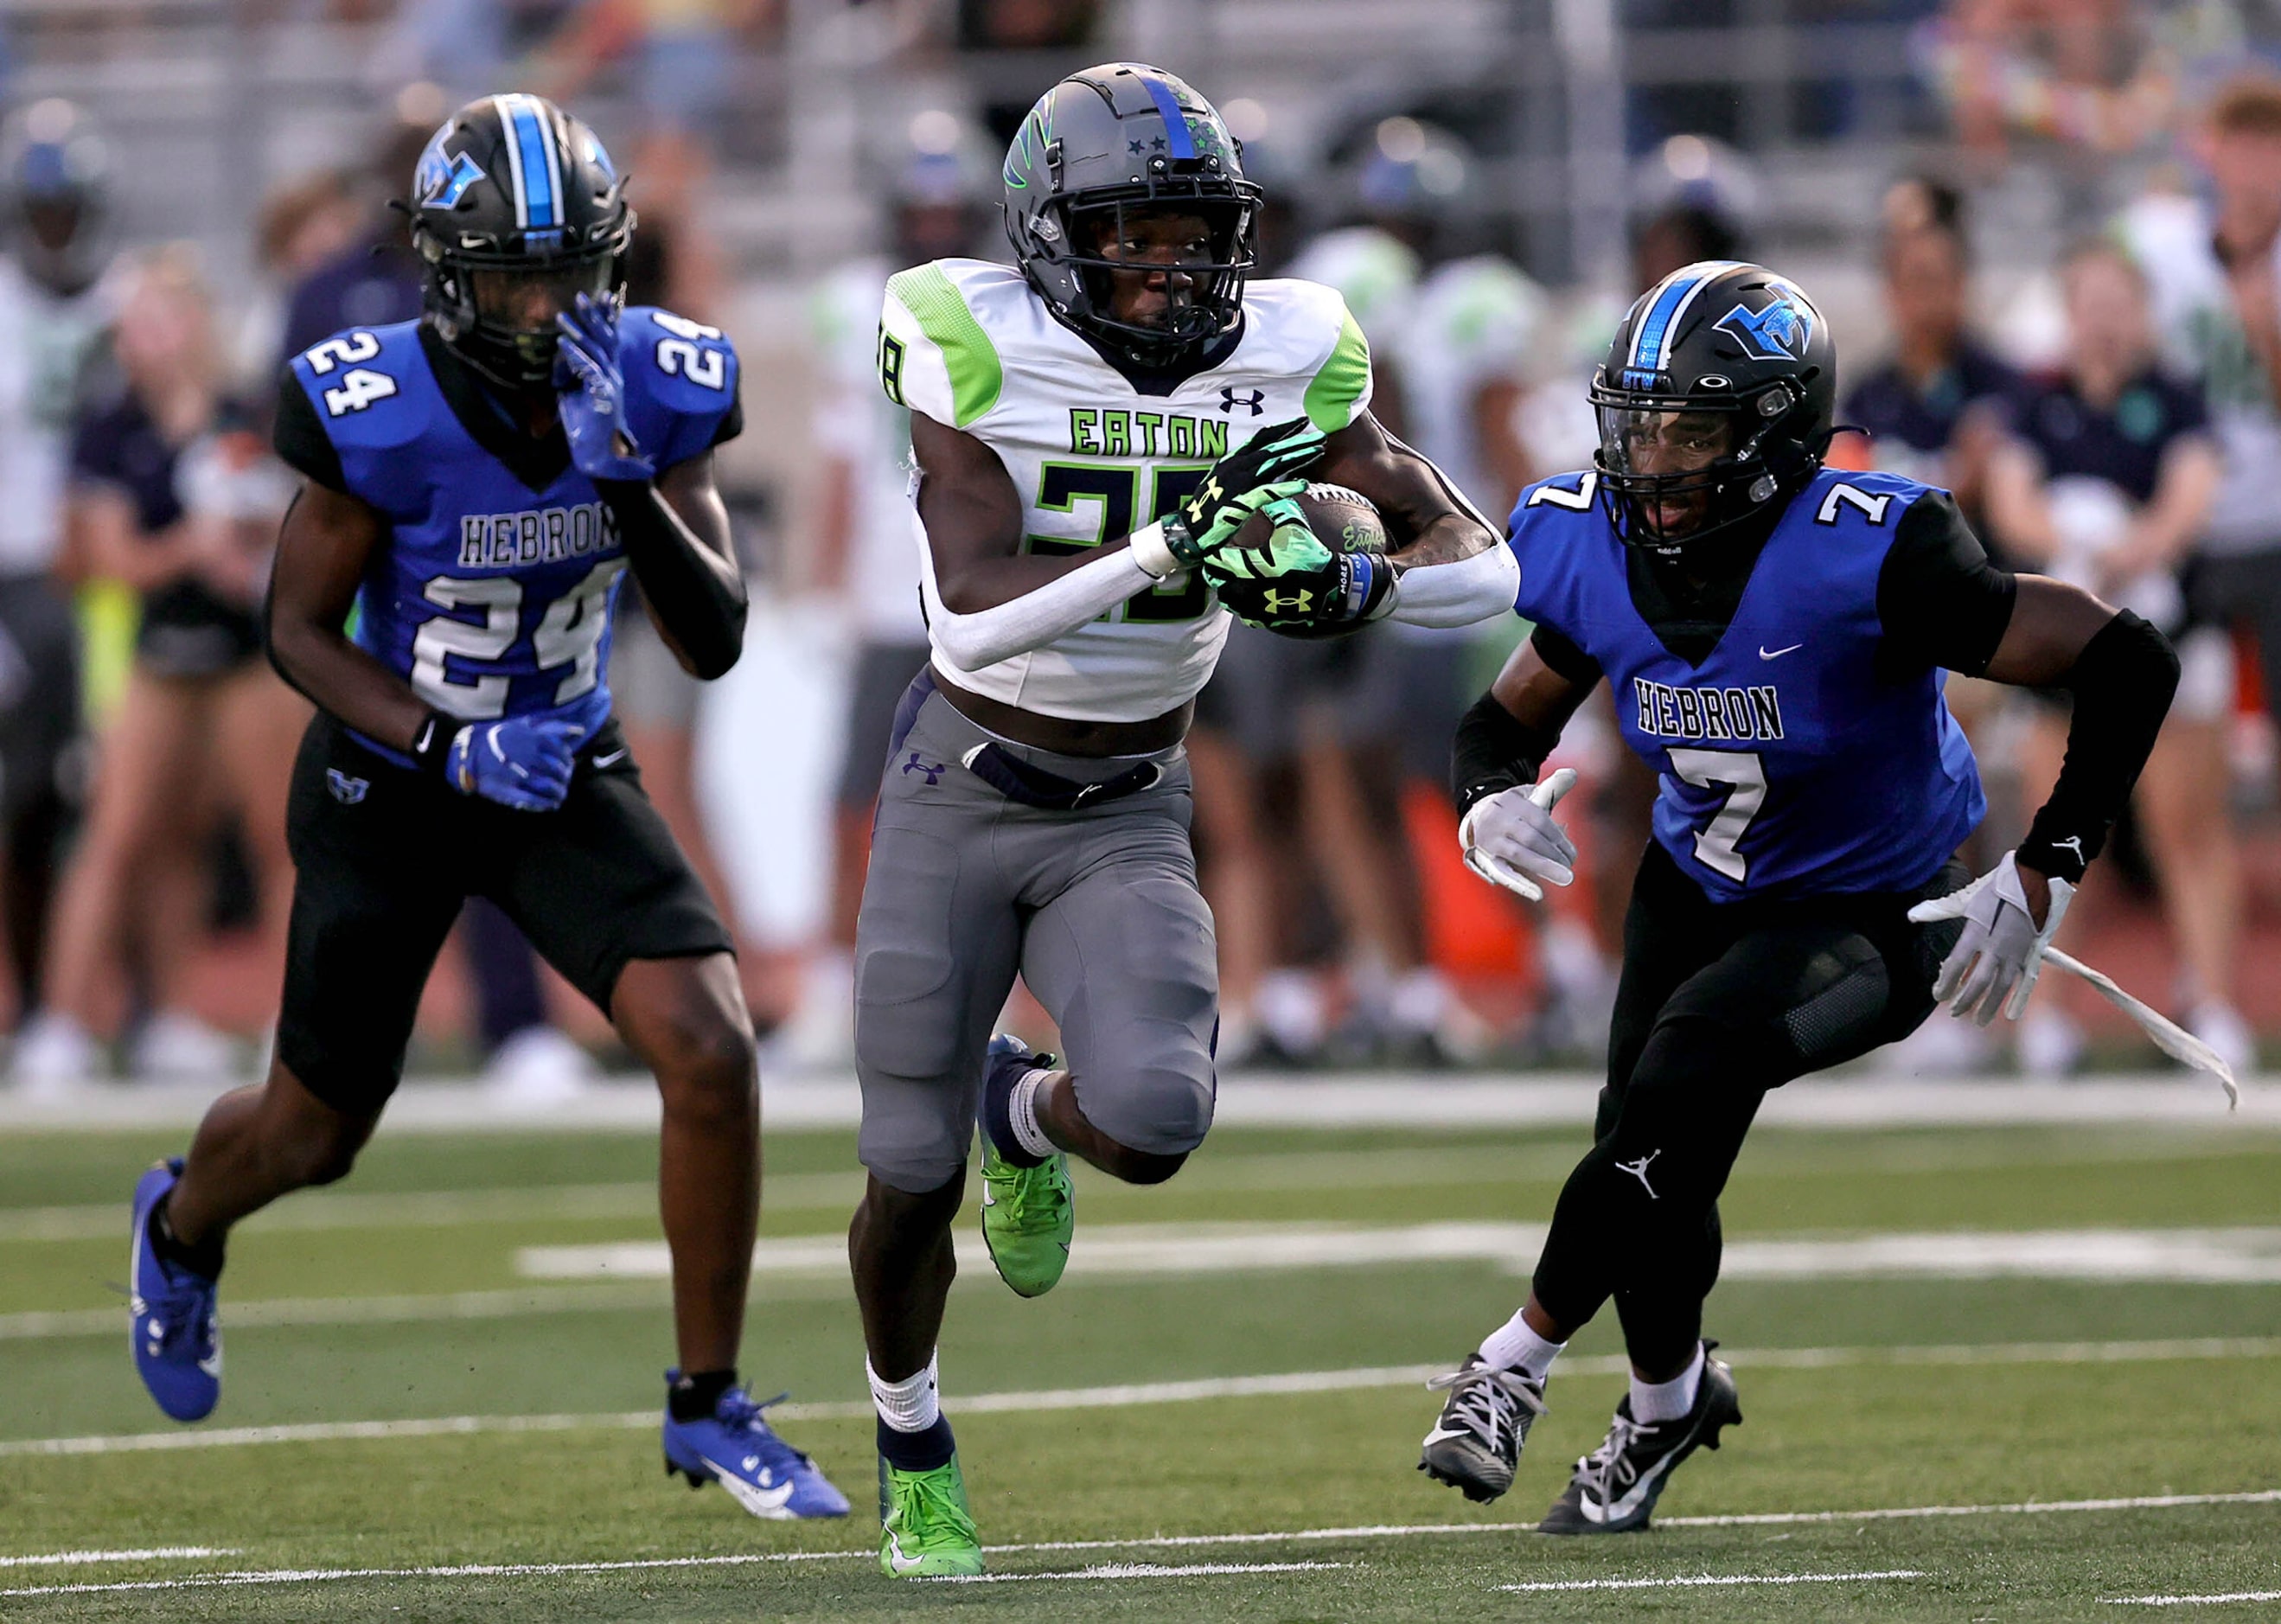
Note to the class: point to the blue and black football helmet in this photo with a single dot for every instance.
(516, 209)
(57, 181)
(1715, 399)
(1121, 137)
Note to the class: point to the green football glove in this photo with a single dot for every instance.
(1276, 458)
(1291, 547)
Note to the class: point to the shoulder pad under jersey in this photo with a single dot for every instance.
(681, 382)
(371, 386)
(1305, 328)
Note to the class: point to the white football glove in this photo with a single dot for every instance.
(1508, 836)
(2001, 951)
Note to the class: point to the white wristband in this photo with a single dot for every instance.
(1153, 554)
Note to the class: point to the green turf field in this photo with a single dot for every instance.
(408, 1296)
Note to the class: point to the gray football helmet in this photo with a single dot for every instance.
(1124, 137)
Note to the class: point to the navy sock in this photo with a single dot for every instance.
(203, 1260)
(918, 1451)
(696, 1395)
(998, 1112)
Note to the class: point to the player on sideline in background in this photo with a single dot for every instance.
(1092, 431)
(1775, 634)
(476, 480)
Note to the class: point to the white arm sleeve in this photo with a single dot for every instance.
(1035, 618)
(1479, 588)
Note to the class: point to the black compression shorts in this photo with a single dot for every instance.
(383, 858)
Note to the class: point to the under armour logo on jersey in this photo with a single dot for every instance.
(1775, 334)
(2073, 843)
(1256, 400)
(345, 790)
(933, 769)
(1638, 1170)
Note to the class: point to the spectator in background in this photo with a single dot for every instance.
(374, 279)
(2088, 74)
(2211, 270)
(1934, 409)
(2106, 482)
(303, 224)
(175, 494)
(56, 301)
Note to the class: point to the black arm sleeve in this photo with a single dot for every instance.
(699, 595)
(1939, 599)
(300, 435)
(1494, 750)
(2122, 682)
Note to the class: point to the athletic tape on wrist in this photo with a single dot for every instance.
(1152, 552)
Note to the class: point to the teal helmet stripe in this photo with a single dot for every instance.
(534, 167)
(1651, 340)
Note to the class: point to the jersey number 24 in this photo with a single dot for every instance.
(569, 633)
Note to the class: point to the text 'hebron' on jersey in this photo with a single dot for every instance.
(535, 536)
(1707, 713)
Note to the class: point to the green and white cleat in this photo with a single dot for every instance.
(1028, 1213)
(925, 1530)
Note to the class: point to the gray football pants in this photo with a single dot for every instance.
(1096, 907)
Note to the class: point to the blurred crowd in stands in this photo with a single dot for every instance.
(2108, 417)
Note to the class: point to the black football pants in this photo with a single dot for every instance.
(1717, 1004)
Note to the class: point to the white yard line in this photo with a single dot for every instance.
(1699, 1580)
(1152, 1542)
(2192, 1601)
(1144, 1570)
(2244, 1255)
(1125, 1395)
(153, 1553)
(1396, 1100)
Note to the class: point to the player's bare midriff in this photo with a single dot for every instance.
(1068, 735)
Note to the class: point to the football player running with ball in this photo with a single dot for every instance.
(1775, 634)
(476, 481)
(1091, 430)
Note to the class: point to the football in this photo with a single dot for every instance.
(1344, 520)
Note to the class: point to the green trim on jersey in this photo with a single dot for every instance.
(1341, 382)
(968, 355)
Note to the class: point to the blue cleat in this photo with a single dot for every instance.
(172, 1324)
(735, 1447)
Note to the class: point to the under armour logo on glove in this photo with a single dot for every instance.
(1229, 400)
(346, 790)
(933, 769)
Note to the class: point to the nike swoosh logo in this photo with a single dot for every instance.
(896, 1560)
(760, 1502)
(1779, 652)
(611, 760)
(1441, 1434)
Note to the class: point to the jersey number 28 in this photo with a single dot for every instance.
(569, 633)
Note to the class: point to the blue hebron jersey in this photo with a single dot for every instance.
(493, 594)
(1792, 763)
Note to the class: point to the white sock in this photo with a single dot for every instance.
(1021, 1109)
(912, 1404)
(1514, 1346)
(1667, 1401)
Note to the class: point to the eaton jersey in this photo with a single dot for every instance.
(971, 345)
(1792, 764)
(493, 594)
